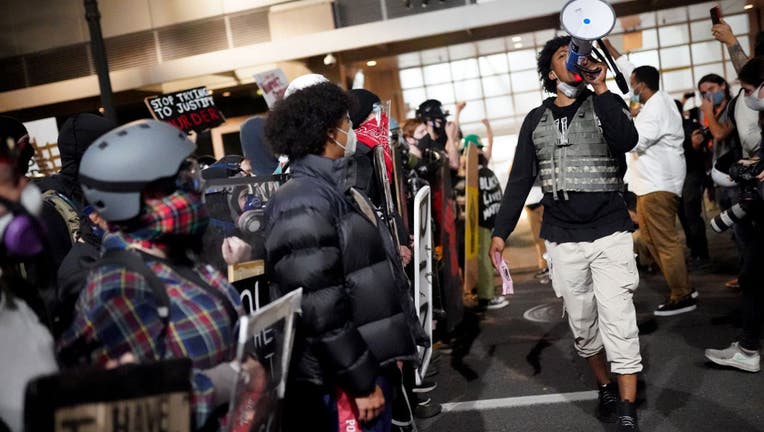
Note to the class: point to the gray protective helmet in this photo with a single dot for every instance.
(118, 166)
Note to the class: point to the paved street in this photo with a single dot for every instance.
(515, 361)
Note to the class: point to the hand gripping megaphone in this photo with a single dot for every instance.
(587, 21)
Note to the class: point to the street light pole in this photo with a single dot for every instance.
(98, 50)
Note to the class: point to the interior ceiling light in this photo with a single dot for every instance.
(518, 45)
(516, 39)
(330, 59)
(748, 6)
(226, 93)
(371, 63)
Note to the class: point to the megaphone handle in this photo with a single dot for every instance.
(621, 81)
(598, 56)
(619, 78)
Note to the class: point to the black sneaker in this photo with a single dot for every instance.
(427, 409)
(608, 402)
(627, 417)
(425, 387)
(676, 307)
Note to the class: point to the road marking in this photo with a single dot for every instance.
(545, 313)
(519, 401)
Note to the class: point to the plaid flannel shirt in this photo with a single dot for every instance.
(117, 312)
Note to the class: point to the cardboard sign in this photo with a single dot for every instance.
(187, 110)
(151, 397)
(263, 354)
(150, 414)
(273, 83)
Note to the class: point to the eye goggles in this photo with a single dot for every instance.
(189, 178)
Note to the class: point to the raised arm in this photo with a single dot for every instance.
(723, 33)
(489, 140)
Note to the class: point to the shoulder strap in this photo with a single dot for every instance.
(731, 108)
(67, 210)
(134, 262)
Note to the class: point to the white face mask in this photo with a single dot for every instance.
(31, 199)
(350, 145)
(569, 90)
(754, 102)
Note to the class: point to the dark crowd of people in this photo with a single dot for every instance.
(123, 257)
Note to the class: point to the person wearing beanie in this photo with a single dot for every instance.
(63, 213)
(256, 151)
(75, 136)
(304, 81)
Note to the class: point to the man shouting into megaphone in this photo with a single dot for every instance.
(575, 141)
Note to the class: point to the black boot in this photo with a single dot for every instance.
(627, 417)
(608, 402)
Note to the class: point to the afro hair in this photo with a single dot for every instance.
(298, 125)
(544, 61)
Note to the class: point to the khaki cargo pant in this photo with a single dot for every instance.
(596, 281)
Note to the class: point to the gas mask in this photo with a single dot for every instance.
(21, 232)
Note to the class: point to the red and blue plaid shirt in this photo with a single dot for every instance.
(117, 312)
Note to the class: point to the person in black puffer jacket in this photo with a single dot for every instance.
(323, 236)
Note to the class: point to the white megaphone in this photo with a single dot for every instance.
(586, 21)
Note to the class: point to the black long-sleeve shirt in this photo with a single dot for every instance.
(584, 216)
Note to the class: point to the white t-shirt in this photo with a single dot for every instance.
(27, 352)
(747, 122)
(657, 162)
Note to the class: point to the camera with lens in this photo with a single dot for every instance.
(748, 186)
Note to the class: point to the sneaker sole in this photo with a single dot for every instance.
(735, 365)
(676, 311)
(424, 389)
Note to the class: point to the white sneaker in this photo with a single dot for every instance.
(735, 357)
(497, 302)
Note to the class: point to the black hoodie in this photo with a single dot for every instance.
(75, 136)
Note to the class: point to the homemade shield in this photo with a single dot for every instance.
(262, 357)
(423, 275)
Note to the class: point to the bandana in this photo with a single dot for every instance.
(373, 134)
(181, 214)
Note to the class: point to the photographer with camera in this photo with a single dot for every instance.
(747, 215)
(717, 112)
